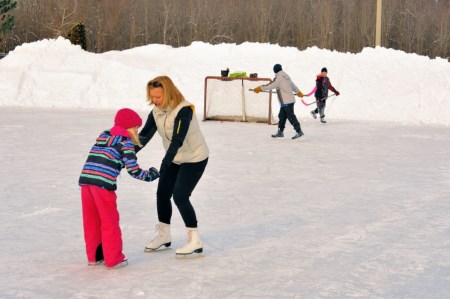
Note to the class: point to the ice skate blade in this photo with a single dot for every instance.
(122, 264)
(189, 256)
(97, 263)
(150, 250)
(195, 254)
(160, 248)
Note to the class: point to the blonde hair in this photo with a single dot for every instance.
(134, 137)
(171, 95)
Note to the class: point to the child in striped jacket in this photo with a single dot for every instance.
(113, 150)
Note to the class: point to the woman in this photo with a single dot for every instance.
(183, 164)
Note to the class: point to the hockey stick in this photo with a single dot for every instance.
(304, 103)
(267, 91)
(307, 104)
(271, 91)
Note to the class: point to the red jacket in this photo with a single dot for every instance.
(323, 84)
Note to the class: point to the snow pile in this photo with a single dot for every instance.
(377, 84)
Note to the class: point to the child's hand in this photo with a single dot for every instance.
(153, 173)
(337, 93)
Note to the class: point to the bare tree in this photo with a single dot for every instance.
(333, 24)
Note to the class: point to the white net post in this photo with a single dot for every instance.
(244, 118)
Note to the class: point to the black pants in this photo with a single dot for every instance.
(287, 113)
(179, 181)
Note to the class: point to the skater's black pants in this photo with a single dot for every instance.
(320, 107)
(287, 113)
(179, 181)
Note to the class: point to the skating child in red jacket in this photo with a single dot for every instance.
(323, 84)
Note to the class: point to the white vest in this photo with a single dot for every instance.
(194, 148)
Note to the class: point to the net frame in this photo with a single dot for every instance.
(239, 89)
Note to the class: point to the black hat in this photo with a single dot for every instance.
(277, 68)
(324, 69)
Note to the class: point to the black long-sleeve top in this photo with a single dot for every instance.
(182, 122)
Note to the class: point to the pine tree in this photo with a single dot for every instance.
(77, 35)
(6, 20)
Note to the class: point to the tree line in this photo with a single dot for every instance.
(414, 26)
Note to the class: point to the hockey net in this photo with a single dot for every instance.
(230, 99)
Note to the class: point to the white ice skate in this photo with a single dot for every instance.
(193, 245)
(119, 265)
(96, 263)
(163, 238)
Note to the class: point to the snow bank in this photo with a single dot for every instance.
(377, 84)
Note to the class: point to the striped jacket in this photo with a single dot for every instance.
(106, 159)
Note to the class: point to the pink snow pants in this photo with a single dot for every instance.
(101, 224)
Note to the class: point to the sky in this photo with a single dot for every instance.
(356, 208)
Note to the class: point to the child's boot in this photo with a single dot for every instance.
(314, 114)
(193, 243)
(322, 120)
(163, 237)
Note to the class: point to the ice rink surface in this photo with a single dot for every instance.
(352, 210)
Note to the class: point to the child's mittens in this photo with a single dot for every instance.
(337, 93)
(300, 94)
(153, 173)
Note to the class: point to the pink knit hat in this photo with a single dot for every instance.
(127, 118)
